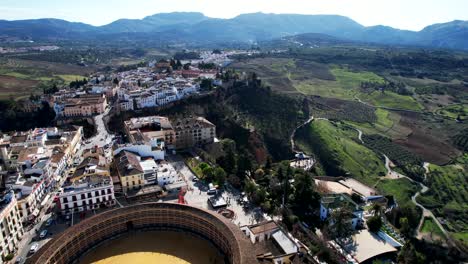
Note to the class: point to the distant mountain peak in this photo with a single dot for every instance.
(251, 27)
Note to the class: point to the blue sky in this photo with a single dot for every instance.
(404, 14)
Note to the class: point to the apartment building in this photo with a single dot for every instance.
(11, 228)
(136, 171)
(85, 193)
(36, 161)
(159, 131)
(130, 170)
(85, 105)
(155, 131)
(193, 131)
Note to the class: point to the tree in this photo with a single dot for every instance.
(116, 81)
(305, 200)
(405, 228)
(206, 84)
(249, 187)
(377, 209)
(409, 255)
(186, 66)
(259, 173)
(139, 83)
(340, 223)
(219, 176)
(374, 223)
(228, 161)
(208, 173)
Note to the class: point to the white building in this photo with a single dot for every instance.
(11, 228)
(87, 193)
(336, 201)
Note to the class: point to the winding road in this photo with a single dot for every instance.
(391, 174)
(293, 134)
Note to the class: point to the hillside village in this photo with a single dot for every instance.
(53, 177)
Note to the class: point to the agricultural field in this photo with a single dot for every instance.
(21, 78)
(448, 193)
(386, 124)
(338, 151)
(409, 163)
(11, 87)
(455, 111)
(430, 137)
(391, 100)
(337, 109)
(330, 81)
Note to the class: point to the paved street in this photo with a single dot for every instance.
(102, 137)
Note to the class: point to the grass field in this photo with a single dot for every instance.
(311, 78)
(70, 77)
(429, 226)
(402, 189)
(455, 111)
(337, 144)
(345, 85)
(448, 194)
(391, 100)
(386, 125)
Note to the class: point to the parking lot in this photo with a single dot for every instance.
(244, 214)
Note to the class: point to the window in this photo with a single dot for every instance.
(83, 196)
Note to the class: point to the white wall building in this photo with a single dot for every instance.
(11, 228)
(88, 193)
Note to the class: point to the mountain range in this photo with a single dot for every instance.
(191, 26)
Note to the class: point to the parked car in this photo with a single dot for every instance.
(49, 222)
(19, 260)
(34, 248)
(43, 234)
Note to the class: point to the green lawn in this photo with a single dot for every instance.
(336, 145)
(429, 226)
(402, 189)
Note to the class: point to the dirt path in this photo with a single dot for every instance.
(293, 134)
(391, 174)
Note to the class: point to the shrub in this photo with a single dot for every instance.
(374, 224)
